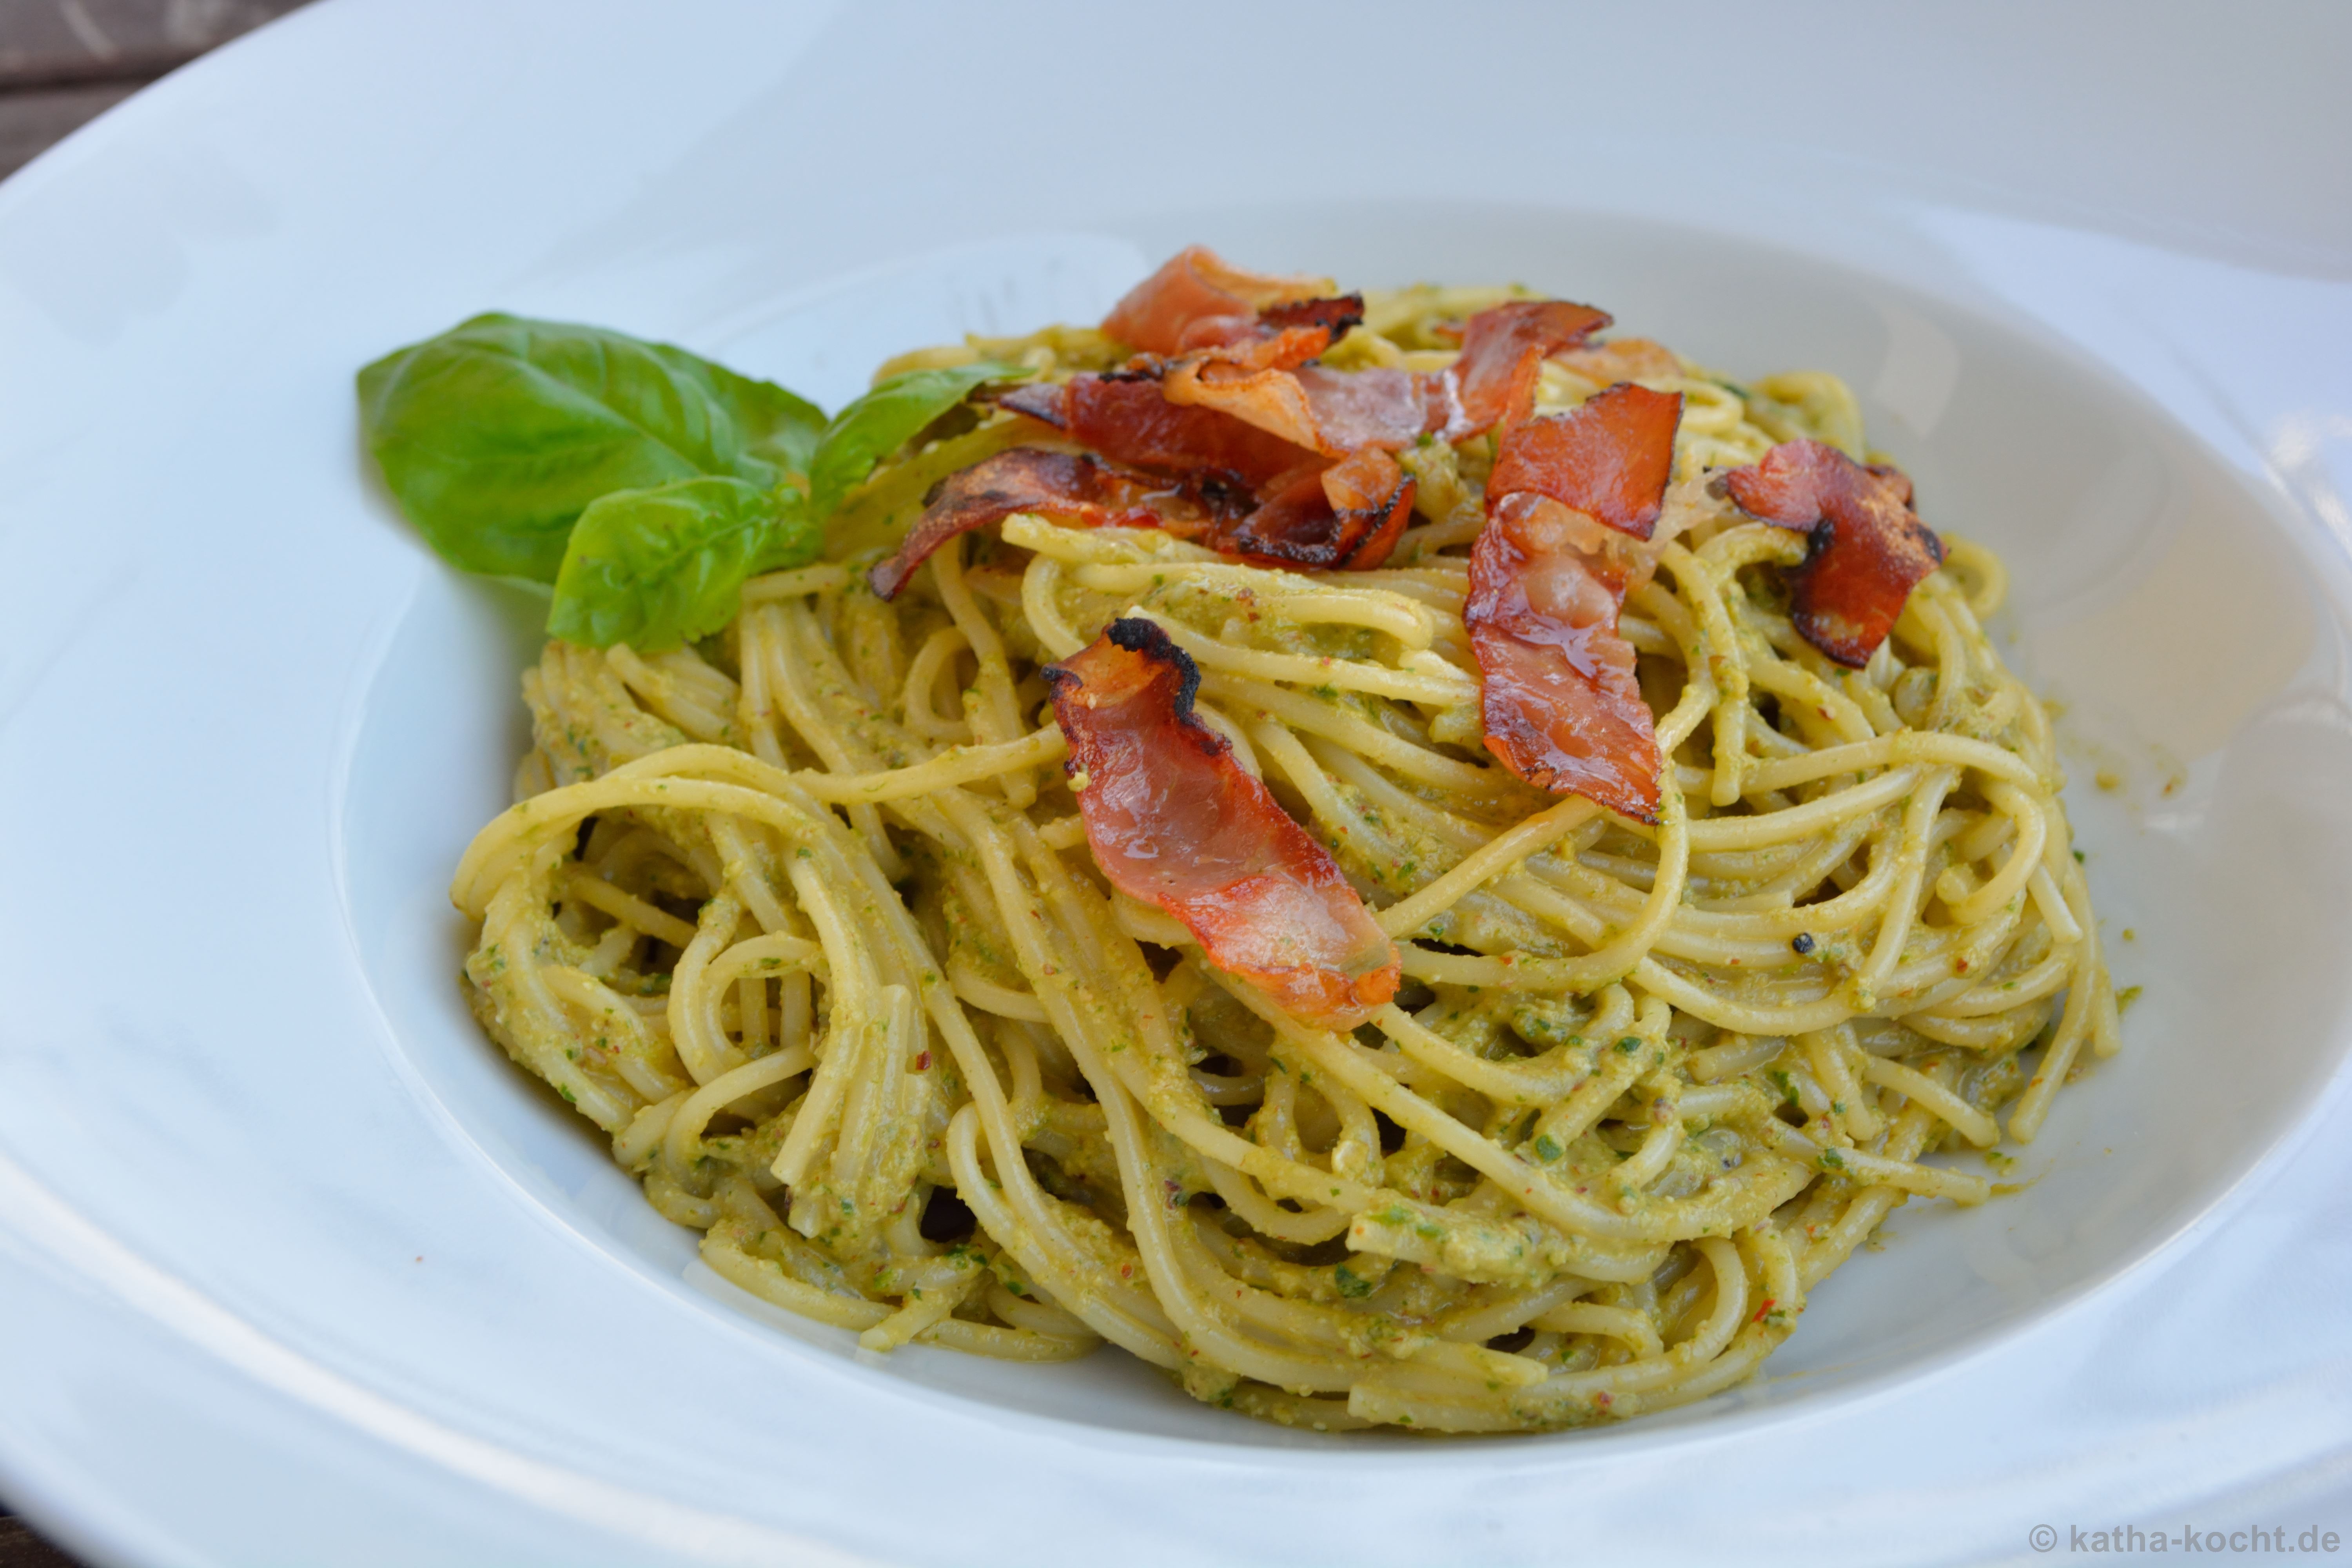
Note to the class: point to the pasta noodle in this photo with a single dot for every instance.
(804, 918)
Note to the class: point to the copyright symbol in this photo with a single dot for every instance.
(2043, 1537)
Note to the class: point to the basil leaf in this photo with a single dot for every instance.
(495, 435)
(778, 426)
(885, 419)
(661, 566)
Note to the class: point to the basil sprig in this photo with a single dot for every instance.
(644, 482)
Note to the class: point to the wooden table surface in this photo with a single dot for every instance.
(63, 63)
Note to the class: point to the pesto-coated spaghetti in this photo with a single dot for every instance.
(804, 917)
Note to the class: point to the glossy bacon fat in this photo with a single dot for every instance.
(1175, 822)
(1868, 548)
(1570, 508)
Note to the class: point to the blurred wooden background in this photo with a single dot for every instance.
(63, 63)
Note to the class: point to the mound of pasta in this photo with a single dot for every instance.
(1398, 858)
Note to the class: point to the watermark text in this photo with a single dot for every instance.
(2243, 1542)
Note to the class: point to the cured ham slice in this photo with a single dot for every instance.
(1258, 495)
(1195, 302)
(1570, 508)
(1345, 516)
(1626, 358)
(1868, 551)
(1493, 383)
(1328, 411)
(1376, 407)
(1503, 351)
(1258, 379)
(1238, 411)
(1229, 384)
(1068, 487)
(1125, 418)
(1610, 459)
(1287, 336)
(1174, 821)
(1272, 401)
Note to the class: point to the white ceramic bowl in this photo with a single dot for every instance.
(299, 1267)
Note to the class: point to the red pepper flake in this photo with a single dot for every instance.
(1760, 1311)
(923, 1062)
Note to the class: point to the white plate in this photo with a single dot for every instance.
(294, 1268)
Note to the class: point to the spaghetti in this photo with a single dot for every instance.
(805, 918)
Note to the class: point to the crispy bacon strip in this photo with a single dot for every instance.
(1572, 501)
(1503, 351)
(1175, 822)
(1239, 378)
(1241, 411)
(1494, 382)
(1287, 336)
(1346, 517)
(1609, 459)
(1066, 486)
(1309, 512)
(1257, 381)
(1125, 418)
(1868, 549)
(1195, 301)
